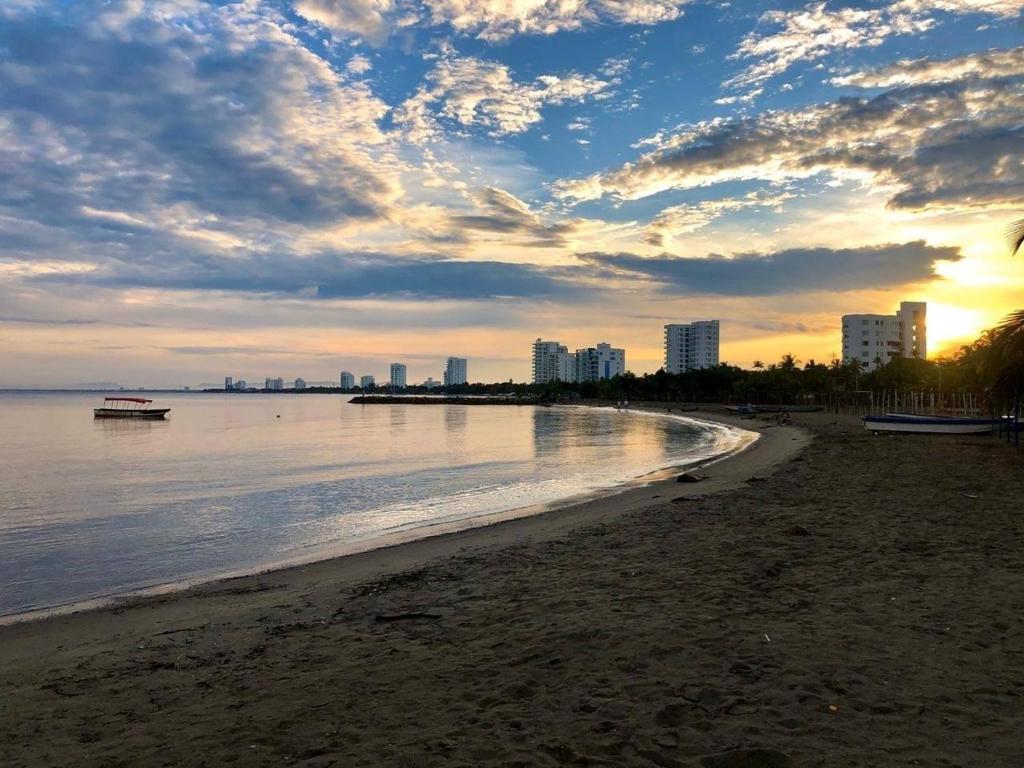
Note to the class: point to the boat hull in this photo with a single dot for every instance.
(928, 424)
(123, 413)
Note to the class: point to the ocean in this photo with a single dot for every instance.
(230, 483)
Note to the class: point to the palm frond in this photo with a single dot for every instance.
(1015, 234)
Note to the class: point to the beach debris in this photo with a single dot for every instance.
(833, 708)
(690, 477)
(766, 637)
(797, 530)
(970, 495)
(409, 615)
(756, 479)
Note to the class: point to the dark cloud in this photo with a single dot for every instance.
(797, 270)
(330, 276)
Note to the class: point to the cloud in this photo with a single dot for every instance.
(810, 33)
(496, 20)
(367, 19)
(359, 65)
(471, 92)
(954, 144)
(689, 217)
(796, 270)
(502, 212)
(326, 276)
(190, 119)
(987, 65)
(490, 20)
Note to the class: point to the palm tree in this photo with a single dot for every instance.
(1003, 355)
(788, 362)
(758, 365)
(1015, 234)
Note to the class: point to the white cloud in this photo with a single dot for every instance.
(367, 19)
(954, 145)
(359, 65)
(990, 64)
(471, 92)
(492, 20)
(689, 217)
(500, 19)
(809, 33)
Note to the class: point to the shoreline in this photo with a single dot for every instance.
(425, 532)
(860, 605)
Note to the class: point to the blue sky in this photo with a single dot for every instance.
(292, 188)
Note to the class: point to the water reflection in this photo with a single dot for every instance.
(128, 426)
(397, 419)
(228, 485)
(455, 419)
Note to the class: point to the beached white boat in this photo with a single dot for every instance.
(910, 422)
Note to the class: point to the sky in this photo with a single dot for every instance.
(190, 190)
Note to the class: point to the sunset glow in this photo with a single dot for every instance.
(294, 188)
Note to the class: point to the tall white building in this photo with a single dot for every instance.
(398, 372)
(600, 362)
(274, 385)
(552, 362)
(229, 383)
(347, 380)
(455, 371)
(367, 382)
(300, 383)
(689, 346)
(874, 340)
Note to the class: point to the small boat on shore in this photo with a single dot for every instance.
(128, 408)
(941, 425)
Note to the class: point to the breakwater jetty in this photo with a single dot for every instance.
(441, 400)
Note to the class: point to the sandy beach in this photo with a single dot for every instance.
(827, 598)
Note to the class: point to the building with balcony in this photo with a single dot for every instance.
(691, 346)
(874, 340)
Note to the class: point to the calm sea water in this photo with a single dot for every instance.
(91, 509)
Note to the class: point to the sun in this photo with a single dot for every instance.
(949, 327)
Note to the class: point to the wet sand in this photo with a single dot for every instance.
(847, 600)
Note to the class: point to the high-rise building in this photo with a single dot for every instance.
(552, 362)
(241, 385)
(274, 385)
(455, 371)
(367, 382)
(874, 340)
(229, 383)
(347, 380)
(600, 362)
(689, 346)
(300, 383)
(398, 372)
